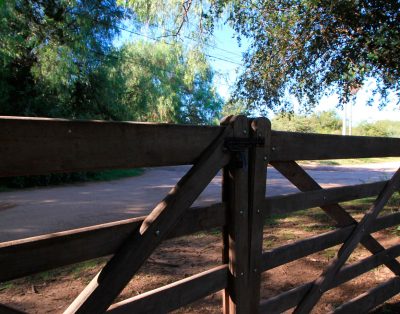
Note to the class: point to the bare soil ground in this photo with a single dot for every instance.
(52, 291)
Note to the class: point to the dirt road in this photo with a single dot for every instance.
(45, 210)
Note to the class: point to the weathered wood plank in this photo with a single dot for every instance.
(28, 256)
(292, 297)
(40, 146)
(109, 282)
(225, 230)
(372, 298)
(328, 276)
(302, 146)
(285, 204)
(301, 179)
(258, 159)
(293, 251)
(175, 295)
(4, 309)
(235, 193)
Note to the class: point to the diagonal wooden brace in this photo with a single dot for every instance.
(304, 182)
(325, 280)
(109, 282)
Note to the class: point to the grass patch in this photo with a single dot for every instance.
(313, 228)
(6, 286)
(361, 205)
(329, 253)
(108, 175)
(354, 161)
(80, 269)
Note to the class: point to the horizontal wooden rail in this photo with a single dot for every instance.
(285, 204)
(40, 146)
(293, 251)
(27, 256)
(287, 146)
(9, 310)
(291, 298)
(372, 298)
(175, 295)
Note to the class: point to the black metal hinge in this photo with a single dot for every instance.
(238, 145)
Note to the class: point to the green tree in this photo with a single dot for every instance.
(58, 60)
(49, 55)
(378, 128)
(165, 82)
(310, 48)
(327, 122)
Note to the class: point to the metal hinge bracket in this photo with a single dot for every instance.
(238, 146)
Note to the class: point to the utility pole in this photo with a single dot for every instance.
(350, 118)
(348, 110)
(344, 119)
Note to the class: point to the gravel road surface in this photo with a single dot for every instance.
(38, 211)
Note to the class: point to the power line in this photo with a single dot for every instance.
(159, 40)
(153, 66)
(222, 59)
(205, 43)
(134, 62)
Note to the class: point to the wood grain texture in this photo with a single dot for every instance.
(304, 182)
(293, 251)
(176, 294)
(321, 284)
(105, 287)
(286, 204)
(235, 196)
(258, 160)
(372, 298)
(302, 146)
(41, 146)
(28, 256)
(292, 297)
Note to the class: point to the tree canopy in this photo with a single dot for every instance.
(59, 59)
(309, 48)
(165, 82)
(49, 52)
(303, 48)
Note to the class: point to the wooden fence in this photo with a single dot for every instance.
(243, 148)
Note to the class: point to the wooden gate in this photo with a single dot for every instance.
(242, 148)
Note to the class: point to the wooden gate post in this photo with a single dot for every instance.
(235, 234)
(260, 128)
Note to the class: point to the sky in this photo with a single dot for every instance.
(225, 56)
(225, 37)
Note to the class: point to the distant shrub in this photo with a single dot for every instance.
(65, 178)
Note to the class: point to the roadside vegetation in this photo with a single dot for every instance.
(328, 122)
(54, 179)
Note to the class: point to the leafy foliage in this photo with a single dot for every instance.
(309, 48)
(378, 128)
(327, 122)
(165, 82)
(58, 60)
(49, 55)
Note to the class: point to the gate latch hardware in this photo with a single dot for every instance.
(238, 145)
